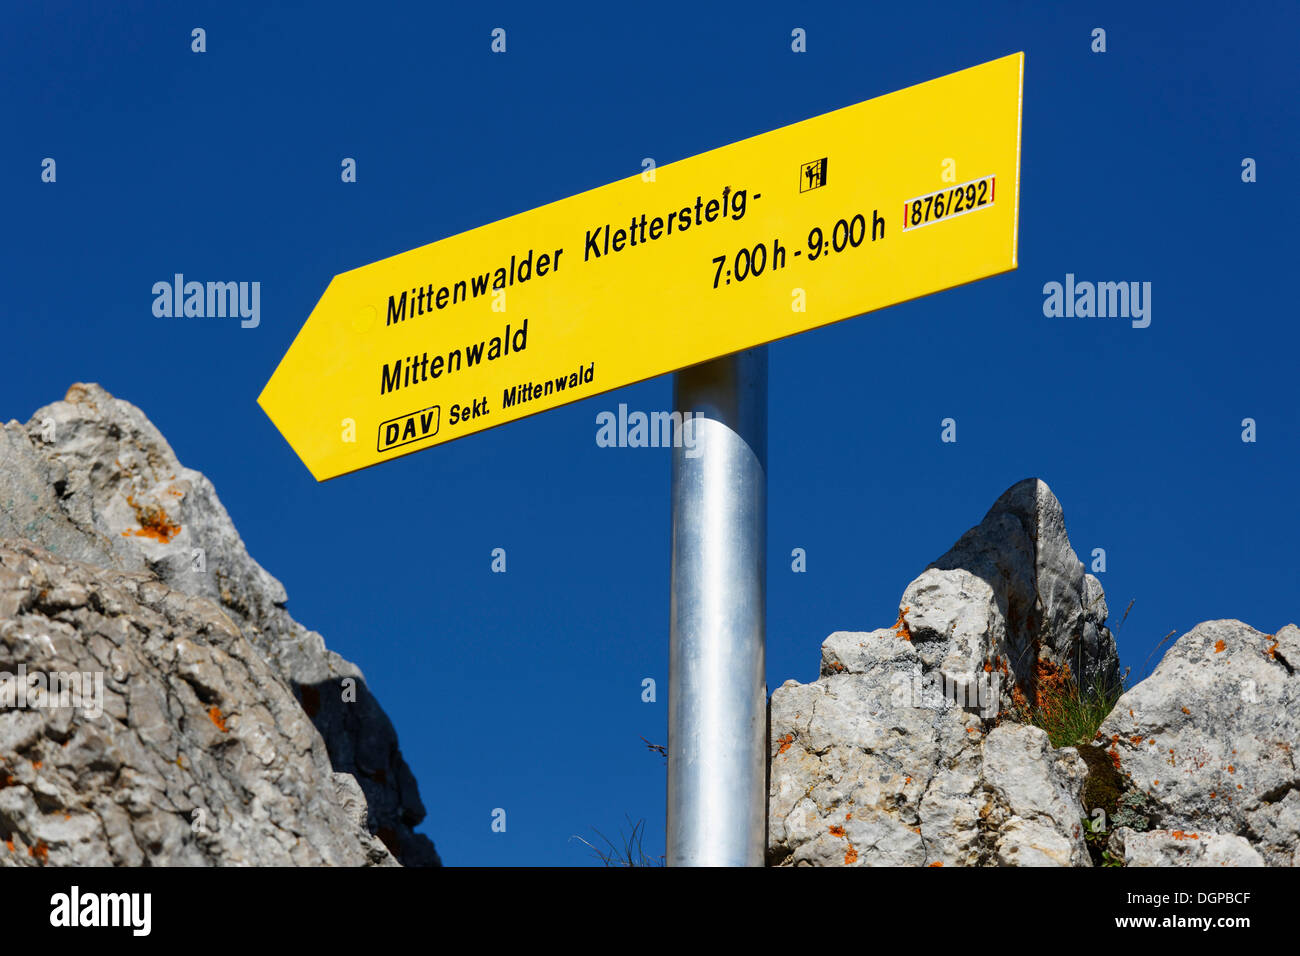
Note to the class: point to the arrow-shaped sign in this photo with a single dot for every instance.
(857, 209)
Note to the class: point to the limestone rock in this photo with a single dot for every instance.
(1012, 590)
(1211, 736)
(1035, 805)
(176, 744)
(891, 757)
(862, 775)
(30, 490)
(90, 478)
(1182, 848)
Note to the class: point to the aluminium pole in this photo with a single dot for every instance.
(717, 697)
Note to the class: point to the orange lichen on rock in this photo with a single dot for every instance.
(1231, 769)
(1272, 647)
(996, 663)
(1018, 701)
(154, 523)
(837, 831)
(937, 863)
(1135, 740)
(1186, 711)
(214, 714)
(10, 845)
(836, 666)
(850, 856)
(1180, 835)
(1051, 685)
(40, 851)
(1051, 688)
(1219, 646)
(900, 626)
(785, 743)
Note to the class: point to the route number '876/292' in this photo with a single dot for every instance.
(844, 235)
(949, 203)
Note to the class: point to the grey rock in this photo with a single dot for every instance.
(891, 757)
(176, 745)
(1210, 737)
(90, 478)
(1182, 848)
(353, 801)
(30, 489)
(1035, 790)
(863, 775)
(1012, 589)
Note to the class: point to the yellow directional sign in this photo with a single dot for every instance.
(850, 211)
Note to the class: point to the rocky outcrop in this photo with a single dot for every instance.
(860, 778)
(1210, 737)
(212, 728)
(905, 751)
(1182, 848)
(894, 756)
(1012, 591)
(92, 481)
(152, 732)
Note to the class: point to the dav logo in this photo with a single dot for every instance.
(408, 428)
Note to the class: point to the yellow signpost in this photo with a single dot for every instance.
(684, 269)
(864, 207)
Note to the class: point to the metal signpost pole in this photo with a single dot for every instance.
(717, 697)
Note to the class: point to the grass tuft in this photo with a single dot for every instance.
(627, 852)
(1070, 714)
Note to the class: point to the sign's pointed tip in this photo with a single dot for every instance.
(264, 402)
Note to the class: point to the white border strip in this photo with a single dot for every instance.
(1020, 112)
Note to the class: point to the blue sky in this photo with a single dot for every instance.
(522, 690)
